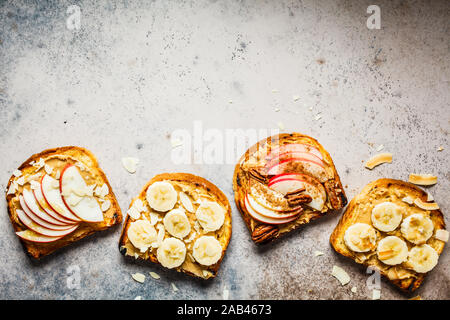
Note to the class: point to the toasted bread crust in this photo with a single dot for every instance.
(336, 238)
(337, 199)
(112, 217)
(192, 179)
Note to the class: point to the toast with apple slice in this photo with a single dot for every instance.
(57, 197)
(390, 226)
(283, 182)
(180, 221)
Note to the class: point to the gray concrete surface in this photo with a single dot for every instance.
(136, 71)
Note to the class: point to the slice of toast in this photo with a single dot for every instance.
(51, 162)
(254, 173)
(197, 190)
(359, 211)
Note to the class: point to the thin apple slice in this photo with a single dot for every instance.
(44, 206)
(267, 212)
(52, 195)
(38, 220)
(35, 237)
(268, 197)
(294, 148)
(41, 230)
(297, 165)
(72, 187)
(32, 204)
(264, 219)
(316, 191)
(295, 155)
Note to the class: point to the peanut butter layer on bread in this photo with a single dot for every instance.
(402, 194)
(51, 162)
(266, 162)
(192, 191)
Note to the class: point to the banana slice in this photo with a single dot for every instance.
(171, 253)
(141, 234)
(417, 228)
(423, 258)
(210, 215)
(177, 223)
(386, 216)
(161, 196)
(392, 250)
(360, 237)
(207, 250)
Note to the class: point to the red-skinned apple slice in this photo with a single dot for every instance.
(33, 205)
(264, 219)
(35, 237)
(86, 207)
(52, 195)
(295, 155)
(297, 165)
(294, 148)
(44, 206)
(38, 220)
(41, 230)
(289, 183)
(267, 212)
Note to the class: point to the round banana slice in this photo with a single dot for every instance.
(171, 253)
(360, 237)
(161, 196)
(392, 250)
(423, 258)
(417, 228)
(177, 223)
(210, 215)
(207, 250)
(141, 234)
(386, 216)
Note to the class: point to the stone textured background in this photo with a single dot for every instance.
(136, 71)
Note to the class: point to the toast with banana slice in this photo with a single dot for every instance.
(180, 221)
(283, 182)
(57, 197)
(392, 226)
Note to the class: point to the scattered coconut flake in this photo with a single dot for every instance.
(230, 101)
(139, 205)
(442, 234)
(276, 109)
(280, 125)
(38, 165)
(32, 163)
(57, 175)
(426, 205)
(205, 273)
(225, 294)
(310, 108)
(21, 181)
(80, 165)
(379, 159)
(35, 185)
(422, 179)
(318, 253)
(138, 298)
(176, 142)
(430, 198)
(354, 289)
(48, 169)
(191, 237)
(341, 275)
(408, 200)
(17, 173)
(275, 91)
(130, 164)
(295, 98)
(139, 277)
(380, 147)
(106, 205)
(376, 294)
(440, 148)
(154, 275)
(12, 188)
(102, 191)
(174, 287)
(154, 218)
(133, 213)
(186, 202)
(161, 233)
(319, 116)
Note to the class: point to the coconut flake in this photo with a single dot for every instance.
(442, 235)
(21, 181)
(341, 275)
(17, 173)
(318, 253)
(422, 179)
(174, 287)
(186, 202)
(130, 164)
(376, 294)
(154, 275)
(106, 205)
(408, 200)
(133, 213)
(379, 159)
(48, 169)
(102, 191)
(139, 277)
(225, 294)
